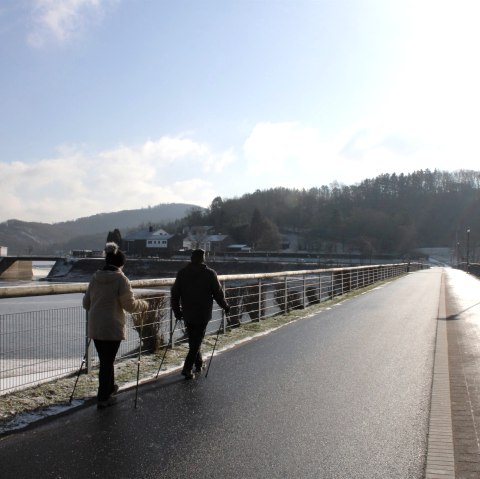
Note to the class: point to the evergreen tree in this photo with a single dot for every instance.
(115, 236)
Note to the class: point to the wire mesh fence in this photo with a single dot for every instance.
(38, 346)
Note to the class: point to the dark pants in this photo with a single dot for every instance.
(196, 333)
(107, 351)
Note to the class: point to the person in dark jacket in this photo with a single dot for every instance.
(192, 295)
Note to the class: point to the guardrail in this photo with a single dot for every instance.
(472, 268)
(38, 346)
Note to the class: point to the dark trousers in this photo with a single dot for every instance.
(196, 333)
(107, 351)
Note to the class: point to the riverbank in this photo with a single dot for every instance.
(81, 269)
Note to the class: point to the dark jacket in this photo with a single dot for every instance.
(195, 288)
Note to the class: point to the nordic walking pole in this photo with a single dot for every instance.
(215, 345)
(139, 359)
(166, 348)
(80, 370)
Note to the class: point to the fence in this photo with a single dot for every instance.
(38, 346)
(472, 268)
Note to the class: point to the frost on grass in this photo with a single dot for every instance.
(25, 406)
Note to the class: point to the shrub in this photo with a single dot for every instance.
(149, 323)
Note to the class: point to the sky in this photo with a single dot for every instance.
(107, 105)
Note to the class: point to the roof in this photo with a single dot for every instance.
(215, 238)
(147, 234)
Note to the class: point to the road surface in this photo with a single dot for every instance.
(343, 393)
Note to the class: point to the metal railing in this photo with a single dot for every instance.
(38, 346)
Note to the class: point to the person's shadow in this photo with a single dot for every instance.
(456, 316)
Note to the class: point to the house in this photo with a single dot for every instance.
(150, 242)
(217, 243)
(205, 238)
(239, 247)
(195, 236)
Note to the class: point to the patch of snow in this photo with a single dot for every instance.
(25, 419)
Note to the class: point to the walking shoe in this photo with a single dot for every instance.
(188, 374)
(109, 402)
(201, 367)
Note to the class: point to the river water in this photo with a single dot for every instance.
(42, 337)
(37, 303)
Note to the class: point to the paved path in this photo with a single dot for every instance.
(454, 429)
(463, 330)
(343, 394)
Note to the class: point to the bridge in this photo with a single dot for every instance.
(20, 267)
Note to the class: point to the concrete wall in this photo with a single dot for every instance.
(15, 270)
(81, 270)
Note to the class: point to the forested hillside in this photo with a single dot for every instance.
(90, 232)
(388, 214)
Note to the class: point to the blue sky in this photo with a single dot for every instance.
(121, 104)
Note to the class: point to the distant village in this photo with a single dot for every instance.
(156, 242)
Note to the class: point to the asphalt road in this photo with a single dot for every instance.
(341, 394)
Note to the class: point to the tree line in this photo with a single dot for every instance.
(389, 214)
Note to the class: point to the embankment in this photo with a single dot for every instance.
(81, 270)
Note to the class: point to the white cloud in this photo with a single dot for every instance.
(62, 20)
(196, 191)
(79, 183)
(76, 183)
(273, 147)
(174, 150)
(295, 156)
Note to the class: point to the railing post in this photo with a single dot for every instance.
(172, 329)
(88, 347)
(286, 294)
(259, 298)
(224, 319)
(319, 287)
(304, 292)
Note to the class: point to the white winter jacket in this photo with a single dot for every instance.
(108, 296)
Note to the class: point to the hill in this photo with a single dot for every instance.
(389, 214)
(90, 232)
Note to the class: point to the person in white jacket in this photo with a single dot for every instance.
(108, 296)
